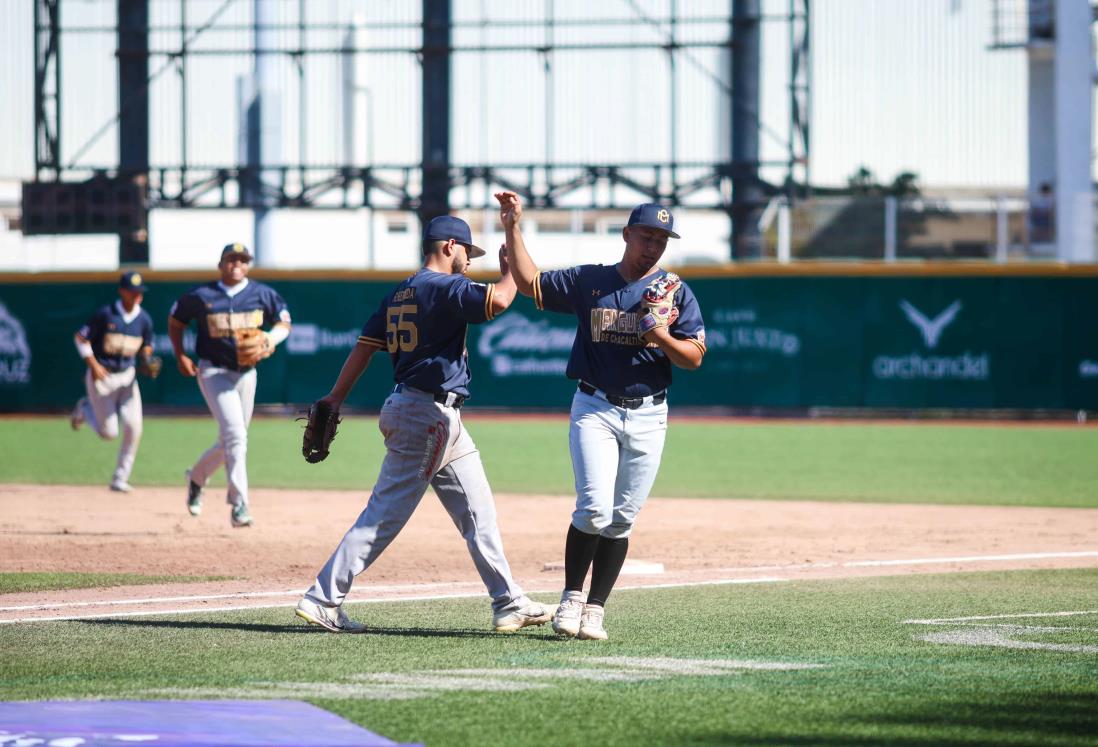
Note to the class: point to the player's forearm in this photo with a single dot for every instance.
(175, 334)
(682, 353)
(523, 268)
(357, 361)
(503, 294)
(84, 349)
(278, 333)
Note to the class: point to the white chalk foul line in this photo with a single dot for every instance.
(367, 600)
(419, 587)
(908, 561)
(207, 597)
(420, 598)
(201, 610)
(972, 559)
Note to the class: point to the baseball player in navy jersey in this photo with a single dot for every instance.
(422, 324)
(109, 344)
(635, 321)
(230, 313)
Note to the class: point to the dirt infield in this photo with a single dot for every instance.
(84, 529)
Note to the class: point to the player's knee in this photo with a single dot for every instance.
(590, 520)
(234, 438)
(108, 432)
(617, 530)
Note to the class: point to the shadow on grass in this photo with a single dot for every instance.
(290, 628)
(1028, 718)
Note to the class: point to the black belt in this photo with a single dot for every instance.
(449, 399)
(446, 399)
(629, 403)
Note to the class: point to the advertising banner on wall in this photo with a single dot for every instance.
(790, 342)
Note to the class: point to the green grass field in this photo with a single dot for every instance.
(1036, 465)
(835, 662)
(827, 663)
(21, 583)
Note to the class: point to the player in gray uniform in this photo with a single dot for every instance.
(422, 324)
(230, 313)
(634, 322)
(109, 344)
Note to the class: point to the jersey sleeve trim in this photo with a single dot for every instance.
(364, 340)
(699, 343)
(489, 313)
(537, 291)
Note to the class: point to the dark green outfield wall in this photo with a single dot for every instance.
(926, 341)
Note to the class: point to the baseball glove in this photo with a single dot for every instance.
(320, 431)
(149, 365)
(252, 346)
(658, 303)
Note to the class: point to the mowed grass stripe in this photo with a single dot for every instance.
(1037, 465)
(809, 662)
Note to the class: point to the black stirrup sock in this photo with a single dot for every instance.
(609, 558)
(579, 549)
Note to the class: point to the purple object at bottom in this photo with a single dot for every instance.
(181, 723)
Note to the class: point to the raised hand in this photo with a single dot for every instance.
(510, 208)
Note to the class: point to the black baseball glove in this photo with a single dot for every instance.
(320, 430)
(149, 365)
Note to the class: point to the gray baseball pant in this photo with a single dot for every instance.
(426, 444)
(230, 395)
(110, 400)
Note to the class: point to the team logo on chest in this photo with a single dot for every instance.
(223, 324)
(116, 343)
(615, 326)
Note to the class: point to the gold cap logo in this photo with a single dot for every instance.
(663, 216)
(135, 279)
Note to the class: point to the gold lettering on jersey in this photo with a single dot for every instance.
(616, 327)
(223, 324)
(405, 295)
(116, 343)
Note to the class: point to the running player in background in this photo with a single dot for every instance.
(109, 344)
(230, 314)
(422, 324)
(635, 321)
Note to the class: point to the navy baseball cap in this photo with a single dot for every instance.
(236, 249)
(655, 216)
(132, 281)
(446, 227)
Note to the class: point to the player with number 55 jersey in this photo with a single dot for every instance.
(422, 324)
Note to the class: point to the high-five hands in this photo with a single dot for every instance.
(510, 208)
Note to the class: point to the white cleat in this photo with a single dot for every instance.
(566, 620)
(194, 496)
(509, 621)
(333, 619)
(121, 486)
(591, 624)
(76, 417)
(240, 517)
